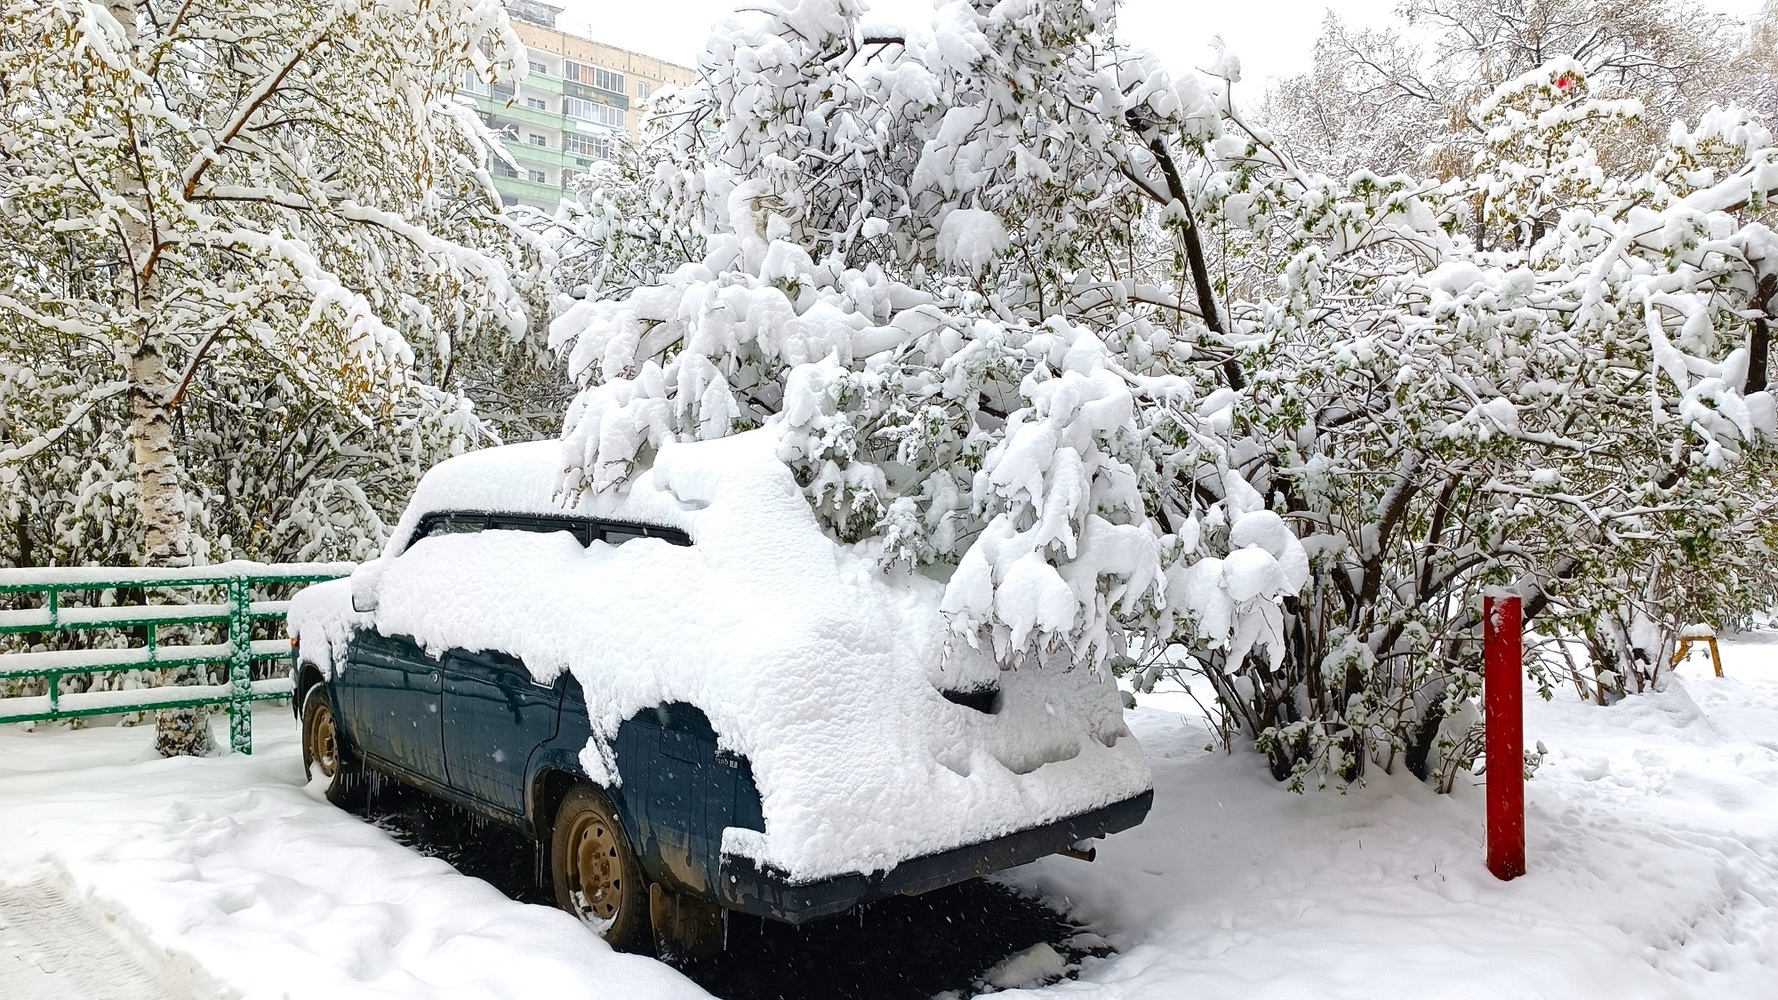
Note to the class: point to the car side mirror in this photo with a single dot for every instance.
(365, 582)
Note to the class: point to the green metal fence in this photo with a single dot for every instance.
(164, 597)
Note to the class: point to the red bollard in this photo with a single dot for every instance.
(1503, 696)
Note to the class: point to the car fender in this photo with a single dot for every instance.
(552, 764)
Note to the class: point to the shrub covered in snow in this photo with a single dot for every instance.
(968, 274)
(893, 268)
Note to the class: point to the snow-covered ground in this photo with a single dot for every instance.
(1653, 836)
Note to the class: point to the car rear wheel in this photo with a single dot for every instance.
(596, 875)
(325, 754)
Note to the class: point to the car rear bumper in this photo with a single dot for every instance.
(745, 887)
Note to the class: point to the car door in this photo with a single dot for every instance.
(393, 691)
(495, 715)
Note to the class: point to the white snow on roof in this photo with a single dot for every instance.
(821, 668)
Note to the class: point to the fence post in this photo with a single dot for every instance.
(240, 665)
(1504, 688)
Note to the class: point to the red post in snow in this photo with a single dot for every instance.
(1503, 691)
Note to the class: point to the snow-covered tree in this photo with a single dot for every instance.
(920, 255)
(1566, 409)
(1405, 98)
(1752, 78)
(227, 219)
(1086, 343)
(1368, 102)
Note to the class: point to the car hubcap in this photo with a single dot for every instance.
(597, 868)
(322, 745)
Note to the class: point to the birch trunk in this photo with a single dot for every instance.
(166, 528)
(160, 499)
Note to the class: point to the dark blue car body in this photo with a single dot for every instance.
(475, 729)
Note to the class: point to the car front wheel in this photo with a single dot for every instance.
(596, 875)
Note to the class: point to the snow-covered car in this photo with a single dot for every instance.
(695, 698)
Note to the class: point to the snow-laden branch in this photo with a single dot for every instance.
(88, 401)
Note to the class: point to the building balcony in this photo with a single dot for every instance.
(539, 83)
(530, 192)
(590, 93)
(541, 156)
(499, 111)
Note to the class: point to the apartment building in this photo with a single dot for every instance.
(577, 98)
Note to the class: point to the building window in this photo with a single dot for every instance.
(474, 84)
(535, 176)
(602, 147)
(537, 102)
(536, 140)
(539, 68)
(504, 169)
(593, 76)
(643, 90)
(592, 111)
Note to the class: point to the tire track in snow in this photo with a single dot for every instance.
(56, 945)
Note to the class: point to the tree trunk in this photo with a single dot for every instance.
(166, 528)
(160, 500)
(1759, 342)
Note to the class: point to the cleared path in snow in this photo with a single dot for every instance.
(56, 946)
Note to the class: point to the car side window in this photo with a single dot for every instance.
(541, 524)
(616, 534)
(447, 524)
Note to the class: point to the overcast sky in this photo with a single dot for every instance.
(1272, 37)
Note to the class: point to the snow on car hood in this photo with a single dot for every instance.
(824, 670)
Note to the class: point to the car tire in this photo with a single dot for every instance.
(325, 753)
(596, 875)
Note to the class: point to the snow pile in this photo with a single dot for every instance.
(820, 667)
(1030, 967)
(970, 239)
(1652, 833)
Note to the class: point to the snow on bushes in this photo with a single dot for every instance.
(855, 211)
(1537, 379)
(967, 276)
